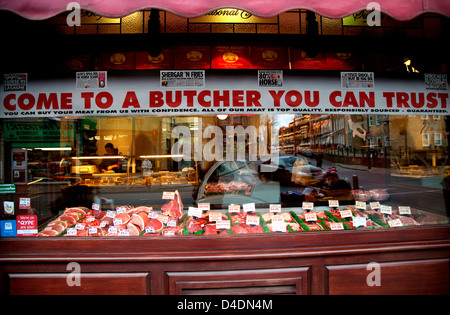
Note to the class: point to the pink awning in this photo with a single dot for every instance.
(398, 9)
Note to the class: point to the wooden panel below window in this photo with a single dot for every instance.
(239, 282)
(90, 283)
(402, 277)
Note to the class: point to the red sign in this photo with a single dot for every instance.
(27, 225)
(117, 60)
(230, 57)
(163, 61)
(270, 58)
(195, 57)
(301, 60)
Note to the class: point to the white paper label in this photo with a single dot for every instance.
(252, 220)
(404, 210)
(275, 208)
(195, 212)
(308, 205)
(234, 208)
(249, 207)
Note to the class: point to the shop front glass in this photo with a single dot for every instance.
(226, 174)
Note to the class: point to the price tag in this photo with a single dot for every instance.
(359, 221)
(277, 218)
(386, 209)
(279, 226)
(308, 205)
(336, 226)
(204, 206)
(120, 210)
(375, 205)
(249, 207)
(124, 232)
(150, 230)
(110, 214)
(360, 205)
(404, 210)
(90, 218)
(92, 230)
(103, 223)
(395, 223)
(168, 195)
(112, 230)
(275, 208)
(333, 203)
(80, 226)
(310, 216)
(234, 208)
(346, 213)
(215, 216)
(172, 223)
(252, 220)
(71, 232)
(223, 224)
(195, 212)
(169, 233)
(95, 206)
(117, 222)
(152, 215)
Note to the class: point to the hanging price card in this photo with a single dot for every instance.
(375, 205)
(346, 213)
(223, 224)
(279, 226)
(249, 207)
(386, 209)
(168, 195)
(195, 212)
(234, 208)
(308, 205)
(360, 205)
(71, 232)
(333, 203)
(252, 220)
(275, 208)
(310, 216)
(204, 206)
(404, 210)
(395, 223)
(336, 226)
(120, 210)
(359, 221)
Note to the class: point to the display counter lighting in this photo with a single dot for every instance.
(98, 157)
(55, 149)
(162, 156)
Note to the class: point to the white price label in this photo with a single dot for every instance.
(333, 203)
(168, 195)
(150, 230)
(92, 230)
(252, 220)
(95, 206)
(195, 212)
(360, 205)
(117, 222)
(279, 226)
(275, 208)
(215, 216)
(359, 221)
(124, 232)
(336, 226)
(404, 210)
(110, 214)
(375, 205)
(120, 210)
(386, 209)
(395, 223)
(346, 213)
(79, 226)
(172, 223)
(112, 230)
(152, 215)
(71, 232)
(234, 208)
(310, 216)
(223, 224)
(249, 207)
(308, 205)
(204, 206)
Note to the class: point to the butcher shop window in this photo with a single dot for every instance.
(130, 161)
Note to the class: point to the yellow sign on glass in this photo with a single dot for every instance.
(232, 16)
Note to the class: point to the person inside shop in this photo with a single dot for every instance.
(331, 187)
(109, 164)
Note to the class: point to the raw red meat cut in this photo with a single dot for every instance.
(174, 208)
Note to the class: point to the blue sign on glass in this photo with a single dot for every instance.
(8, 228)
